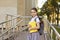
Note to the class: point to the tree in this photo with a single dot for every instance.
(55, 5)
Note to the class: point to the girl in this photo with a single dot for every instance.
(33, 26)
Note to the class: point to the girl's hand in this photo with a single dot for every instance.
(29, 26)
(29, 29)
(32, 28)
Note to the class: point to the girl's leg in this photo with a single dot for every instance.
(35, 36)
(29, 37)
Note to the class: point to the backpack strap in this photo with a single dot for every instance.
(36, 18)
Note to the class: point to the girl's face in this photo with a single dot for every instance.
(33, 13)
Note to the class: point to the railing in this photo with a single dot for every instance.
(12, 26)
(52, 33)
(14, 23)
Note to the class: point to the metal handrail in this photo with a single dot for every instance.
(54, 29)
(15, 26)
(18, 16)
(22, 16)
(9, 20)
(57, 33)
(11, 28)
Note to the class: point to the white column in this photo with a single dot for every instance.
(34, 3)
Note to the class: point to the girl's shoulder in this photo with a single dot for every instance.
(37, 19)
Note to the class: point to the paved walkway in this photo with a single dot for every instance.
(22, 36)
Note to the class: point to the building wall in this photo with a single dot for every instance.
(8, 3)
(15, 7)
(28, 5)
(24, 6)
(7, 7)
(21, 7)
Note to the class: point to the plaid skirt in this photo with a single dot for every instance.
(33, 36)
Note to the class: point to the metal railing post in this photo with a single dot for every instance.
(2, 32)
(53, 32)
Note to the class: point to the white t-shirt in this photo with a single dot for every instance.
(35, 18)
(33, 22)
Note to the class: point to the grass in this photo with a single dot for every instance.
(58, 29)
(54, 35)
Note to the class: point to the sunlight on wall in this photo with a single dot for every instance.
(40, 3)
